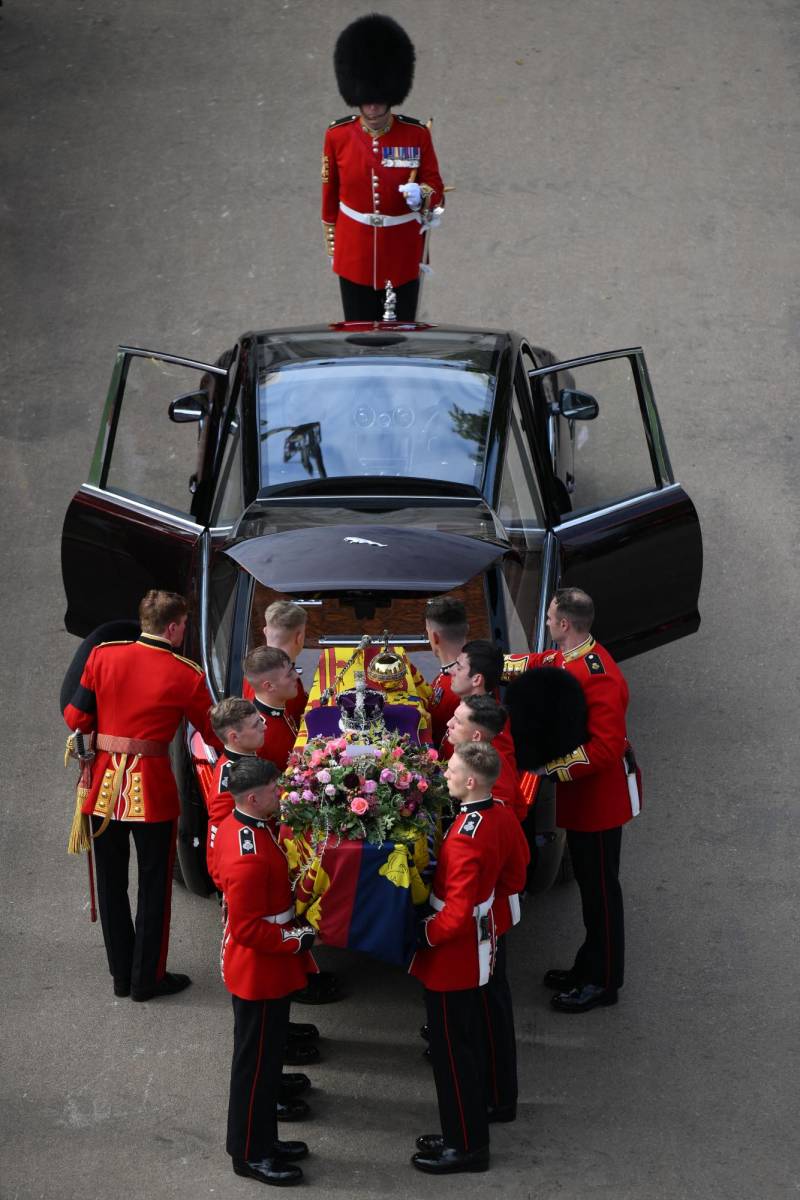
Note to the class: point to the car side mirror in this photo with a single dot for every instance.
(191, 407)
(577, 406)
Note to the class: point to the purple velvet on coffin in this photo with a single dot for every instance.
(398, 718)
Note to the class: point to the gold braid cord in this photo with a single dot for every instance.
(80, 834)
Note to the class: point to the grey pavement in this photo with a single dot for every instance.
(626, 172)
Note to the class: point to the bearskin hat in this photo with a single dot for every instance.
(112, 631)
(547, 710)
(374, 62)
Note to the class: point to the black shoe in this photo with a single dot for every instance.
(561, 981)
(581, 999)
(292, 1110)
(430, 1143)
(268, 1170)
(322, 988)
(425, 1033)
(445, 1160)
(167, 985)
(122, 987)
(293, 1083)
(498, 1113)
(290, 1151)
(300, 1054)
(298, 1032)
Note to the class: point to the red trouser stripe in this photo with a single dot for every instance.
(490, 1038)
(453, 1071)
(255, 1079)
(605, 908)
(162, 958)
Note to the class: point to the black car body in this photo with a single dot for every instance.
(469, 432)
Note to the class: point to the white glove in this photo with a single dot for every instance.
(412, 193)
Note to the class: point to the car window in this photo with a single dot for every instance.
(229, 500)
(153, 457)
(221, 607)
(605, 459)
(518, 503)
(394, 417)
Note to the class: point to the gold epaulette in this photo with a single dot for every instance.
(121, 642)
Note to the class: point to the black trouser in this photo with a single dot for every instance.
(136, 954)
(361, 303)
(259, 1035)
(498, 1016)
(595, 861)
(455, 1027)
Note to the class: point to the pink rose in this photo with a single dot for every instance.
(387, 776)
(324, 776)
(422, 786)
(369, 786)
(307, 795)
(330, 789)
(293, 797)
(397, 752)
(403, 781)
(316, 757)
(359, 806)
(433, 755)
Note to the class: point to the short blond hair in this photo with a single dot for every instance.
(285, 614)
(480, 758)
(159, 609)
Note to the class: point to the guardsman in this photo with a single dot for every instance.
(285, 627)
(264, 958)
(447, 628)
(597, 792)
(240, 727)
(454, 963)
(133, 697)
(273, 677)
(380, 177)
(477, 671)
(481, 719)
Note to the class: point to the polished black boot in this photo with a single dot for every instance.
(276, 1170)
(446, 1160)
(167, 985)
(292, 1109)
(301, 1032)
(300, 1054)
(582, 999)
(293, 1083)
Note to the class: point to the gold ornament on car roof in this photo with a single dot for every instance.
(386, 668)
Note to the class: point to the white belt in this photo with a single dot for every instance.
(480, 910)
(513, 904)
(375, 218)
(280, 918)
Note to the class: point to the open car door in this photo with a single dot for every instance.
(137, 521)
(622, 528)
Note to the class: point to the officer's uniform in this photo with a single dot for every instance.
(263, 961)
(369, 229)
(597, 793)
(498, 1010)
(280, 734)
(133, 696)
(455, 964)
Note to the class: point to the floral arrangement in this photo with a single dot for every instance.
(339, 787)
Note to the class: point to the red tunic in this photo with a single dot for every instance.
(507, 785)
(280, 733)
(466, 876)
(592, 792)
(259, 957)
(364, 173)
(443, 704)
(219, 802)
(515, 855)
(138, 690)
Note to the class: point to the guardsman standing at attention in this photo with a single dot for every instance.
(273, 677)
(454, 963)
(133, 697)
(380, 177)
(447, 628)
(264, 958)
(240, 727)
(597, 792)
